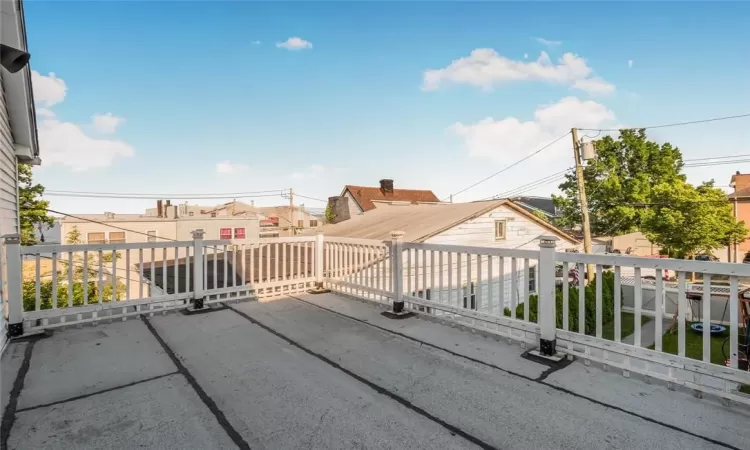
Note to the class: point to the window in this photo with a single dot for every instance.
(151, 236)
(313, 223)
(95, 238)
(225, 233)
(470, 299)
(117, 237)
(190, 213)
(499, 229)
(300, 224)
(239, 233)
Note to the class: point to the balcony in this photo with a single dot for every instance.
(266, 365)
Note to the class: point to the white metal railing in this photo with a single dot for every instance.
(514, 293)
(59, 285)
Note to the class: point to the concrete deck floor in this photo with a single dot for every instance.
(327, 372)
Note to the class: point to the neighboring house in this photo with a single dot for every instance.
(497, 224)
(110, 228)
(740, 199)
(275, 220)
(18, 136)
(544, 205)
(358, 199)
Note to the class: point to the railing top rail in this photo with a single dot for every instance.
(285, 239)
(682, 265)
(356, 241)
(506, 252)
(60, 248)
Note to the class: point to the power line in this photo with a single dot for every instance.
(746, 155)
(161, 195)
(155, 197)
(510, 166)
(677, 124)
(310, 198)
(526, 187)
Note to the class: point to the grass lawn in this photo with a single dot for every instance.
(627, 326)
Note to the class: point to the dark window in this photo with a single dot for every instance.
(313, 223)
(239, 233)
(225, 233)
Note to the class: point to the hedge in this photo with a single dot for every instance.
(608, 305)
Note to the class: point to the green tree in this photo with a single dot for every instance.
(33, 210)
(329, 215)
(688, 220)
(79, 265)
(625, 173)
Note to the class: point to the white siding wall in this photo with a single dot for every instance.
(8, 171)
(521, 233)
(354, 208)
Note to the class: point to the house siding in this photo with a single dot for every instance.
(8, 171)
(354, 208)
(521, 233)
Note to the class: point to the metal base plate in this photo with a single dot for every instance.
(397, 316)
(206, 309)
(556, 358)
(318, 291)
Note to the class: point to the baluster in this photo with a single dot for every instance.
(86, 277)
(706, 304)
(599, 312)
(501, 285)
(54, 280)
(638, 296)
(140, 273)
(581, 298)
(127, 274)
(681, 306)
(513, 286)
(70, 282)
(478, 289)
(459, 287)
(164, 270)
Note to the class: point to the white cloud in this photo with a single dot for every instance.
(485, 68)
(44, 112)
(314, 171)
(255, 42)
(294, 43)
(106, 123)
(230, 167)
(49, 90)
(548, 42)
(525, 56)
(594, 86)
(66, 144)
(508, 139)
(630, 64)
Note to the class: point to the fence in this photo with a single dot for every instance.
(516, 294)
(513, 293)
(51, 286)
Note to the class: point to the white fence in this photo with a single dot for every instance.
(50, 286)
(513, 293)
(508, 292)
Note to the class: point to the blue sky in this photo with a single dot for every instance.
(199, 97)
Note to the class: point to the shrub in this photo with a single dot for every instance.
(608, 305)
(45, 294)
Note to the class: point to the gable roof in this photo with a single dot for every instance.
(366, 196)
(542, 204)
(422, 221)
(742, 193)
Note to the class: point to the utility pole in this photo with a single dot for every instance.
(583, 202)
(291, 212)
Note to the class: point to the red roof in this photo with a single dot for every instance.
(365, 196)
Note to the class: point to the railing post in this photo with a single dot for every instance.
(319, 258)
(15, 281)
(547, 315)
(198, 294)
(397, 277)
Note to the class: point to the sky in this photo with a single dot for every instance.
(191, 97)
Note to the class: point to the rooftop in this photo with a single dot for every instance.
(327, 372)
(421, 221)
(366, 196)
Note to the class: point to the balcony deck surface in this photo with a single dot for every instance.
(329, 372)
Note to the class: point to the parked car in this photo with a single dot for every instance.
(707, 257)
(746, 259)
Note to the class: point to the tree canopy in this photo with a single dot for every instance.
(637, 185)
(32, 209)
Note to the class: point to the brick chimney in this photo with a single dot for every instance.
(159, 209)
(339, 207)
(386, 186)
